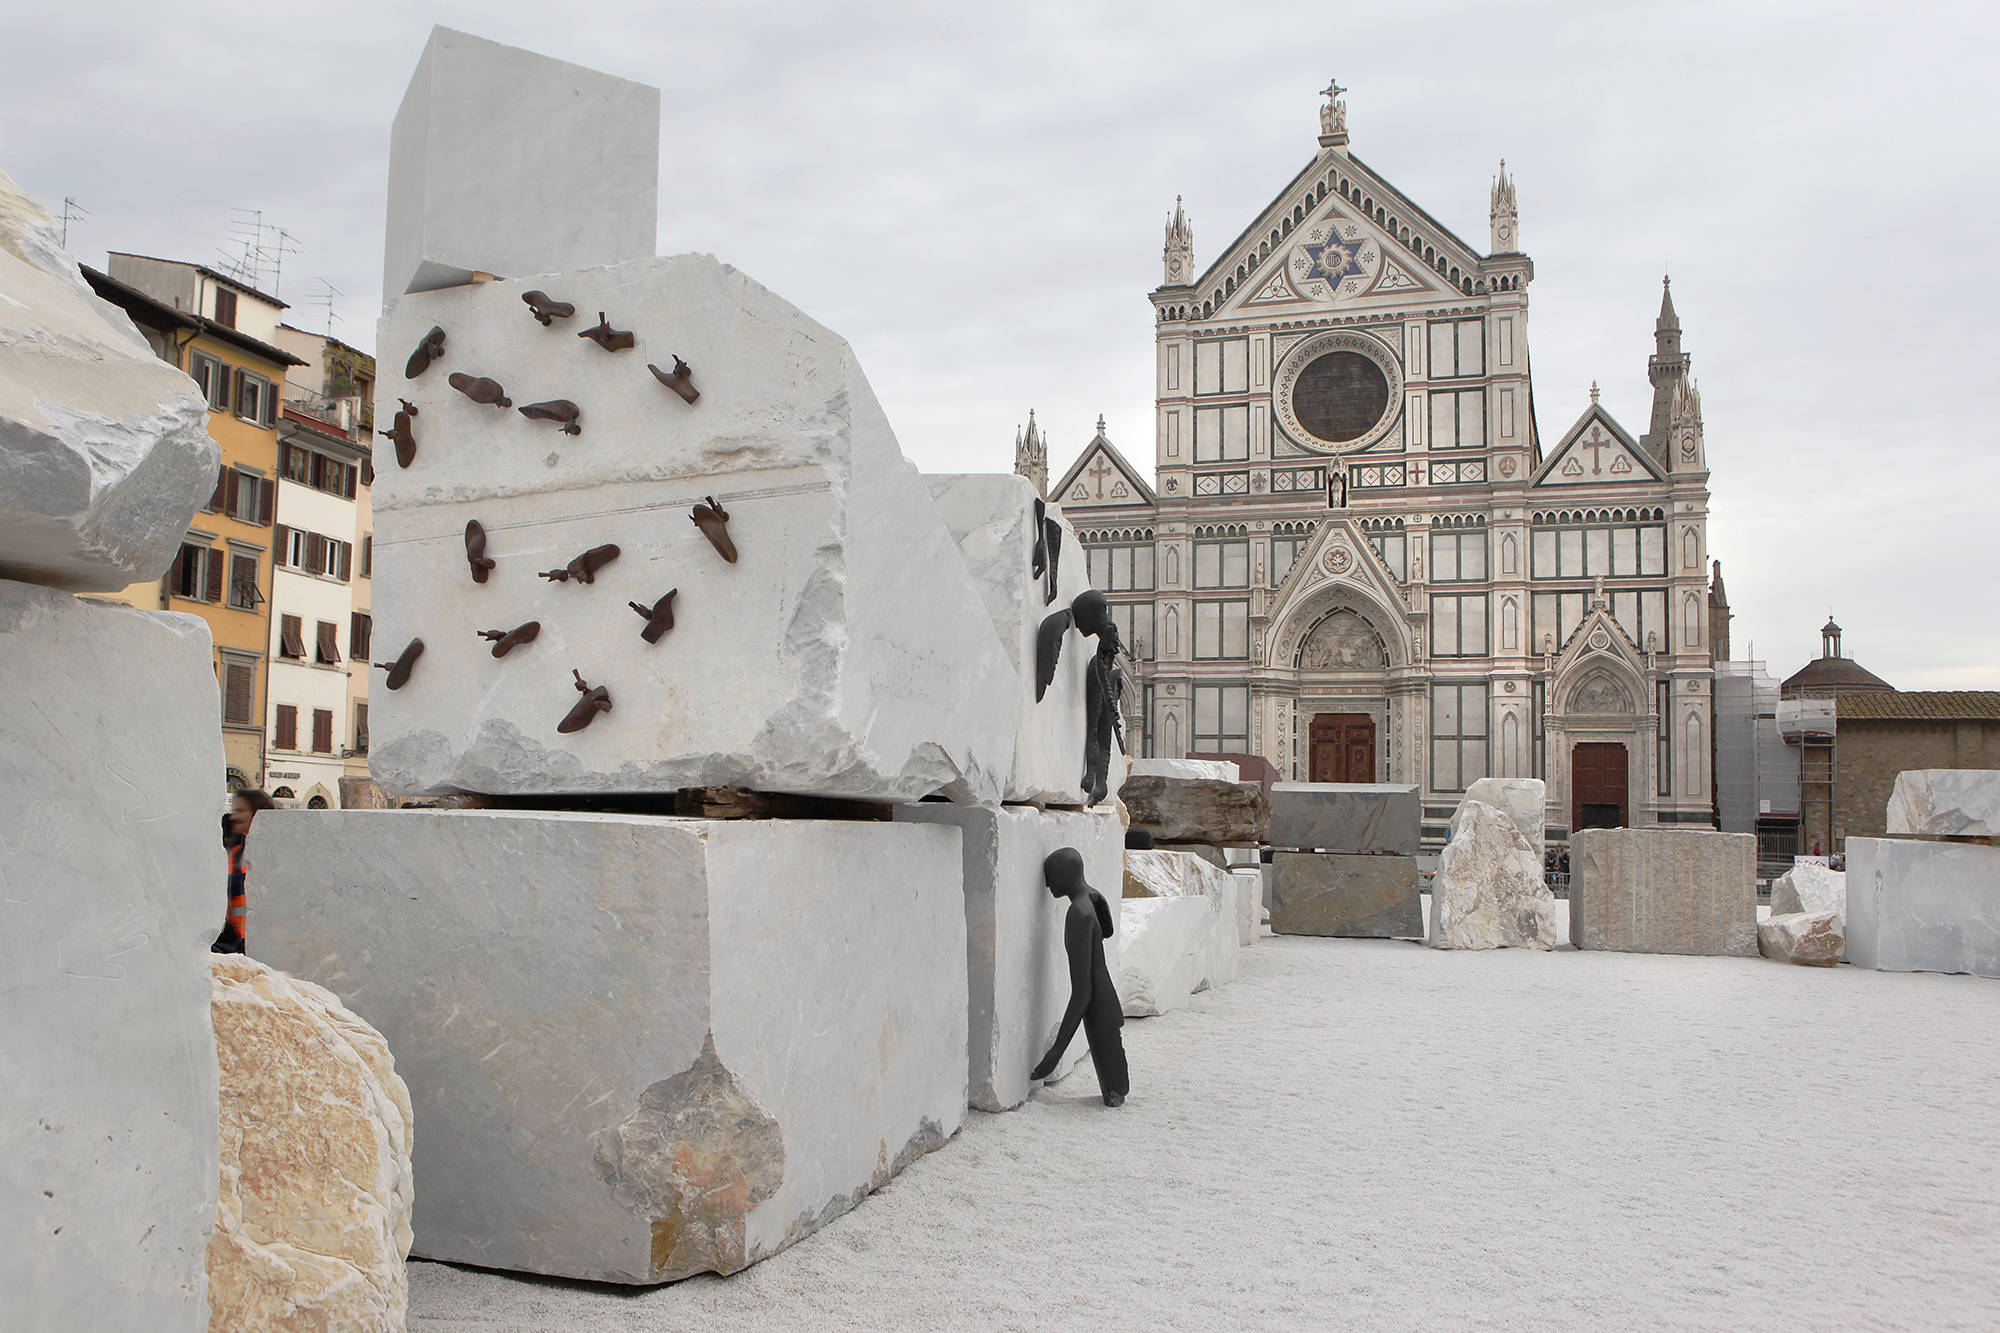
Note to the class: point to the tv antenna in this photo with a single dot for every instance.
(326, 299)
(72, 212)
(265, 246)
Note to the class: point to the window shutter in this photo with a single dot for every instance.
(315, 553)
(350, 481)
(322, 730)
(281, 544)
(329, 650)
(345, 567)
(221, 496)
(236, 697)
(175, 573)
(270, 403)
(232, 484)
(290, 644)
(225, 308)
(316, 472)
(361, 727)
(359, 631)
(287, 728)
(267, 501)
(243, 574)
(368, 556)
(214, 559)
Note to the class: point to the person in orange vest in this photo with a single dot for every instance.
(236, 825)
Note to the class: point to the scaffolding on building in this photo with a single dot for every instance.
(1757, 774)
(1810, 722)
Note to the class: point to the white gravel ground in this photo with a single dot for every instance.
(1370, 1134)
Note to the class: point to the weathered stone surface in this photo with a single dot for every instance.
(1809, 888)
(1946, 803)
(104, 448)
(1810, 939)
(1359, 897)
(1346, 817)
(1212, 948)
(1198, 809)
(504, 161)
(111, 888)
(1158, 968)
(1488, 892)
(314, 1217)
(1214, 770)
(991, 516)
(1663, 890)
(1525, 801)
(1016, 970)
(1923, 906)
(1250, 912)
(844, 653)
(601, 1016)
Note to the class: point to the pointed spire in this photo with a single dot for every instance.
(1504, 218)
(1179, 253)
(1668, 319)
(1031, 457)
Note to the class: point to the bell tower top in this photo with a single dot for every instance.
(1179, 253)
(1506, 221)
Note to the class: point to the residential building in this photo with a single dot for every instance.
(219, 331)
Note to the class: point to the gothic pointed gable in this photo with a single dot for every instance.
(1599, 669)
(1338, 558)
(1597, 451)
(1102, 476)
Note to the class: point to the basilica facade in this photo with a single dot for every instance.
(1357, 556)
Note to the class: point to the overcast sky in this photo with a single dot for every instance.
(974, 196)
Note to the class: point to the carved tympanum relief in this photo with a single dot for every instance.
(1343, 642)
(1600, 694)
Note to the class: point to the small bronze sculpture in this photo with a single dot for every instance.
(681, 381)
(596, 699)
(659, 617)
(713, 520)
(399, 670)
(584, 568)
(480, 389)
(547, 310)
(404, 438)
(475, 551)
(1104, 681)
(506, 640)
(429, 350)
(1041, 557)
(1053, 531)
(610, 339)
(1093, 1000)
(556, 409)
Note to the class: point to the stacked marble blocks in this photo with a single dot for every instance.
(843, 652)
(1663, 890)
(1017, 979)
(1927, 898)
(1346, 860)
(1182, 921)
(637, 1047)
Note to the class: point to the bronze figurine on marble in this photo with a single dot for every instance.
(556, 409)
(475, 551)
(681, 381)
(480, 389)
(506, 640)
(596, 699)
(399, 670)
(610, 339)
(659, 617)
(584, 568)
(429, 350)
(713, 520)
(547, 309)
(401, 435)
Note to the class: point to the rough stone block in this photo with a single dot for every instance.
(1809, 888)
(1923, 906)
(1016, 971)
(1249, 905)
(1663, 890)
(1525, 801)
(1346, 817)
(111, 889)
(1198, 809)
(1214, 770)
(1159, 963)
(314, 1221)
(104, 448)
(638, 1047)
(1358, 897)
(1488, 892)
(844, 653)
(1810, 939)
(503, 161)
(1946, 803)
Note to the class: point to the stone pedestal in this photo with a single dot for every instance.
(1346, 817)
(1016, 969)
(637, 1047)
(1923, 906)
(1946, 802)
(1661, 890)
(1198, 810)
(112, 886)
(1356, 897)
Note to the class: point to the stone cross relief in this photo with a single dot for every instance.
(1597, 444)
(1101, 470)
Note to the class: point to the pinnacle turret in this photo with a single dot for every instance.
(1504, 216)
(1179, 253)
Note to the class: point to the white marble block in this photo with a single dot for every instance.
(1663, 890)
(845, 653)
(507, 162)
(991, 516)
(1807, 887)
(1524, 800)
(112, 886)
(104, 448)
(1159, 965)
(1810, 939)
(1923, 906)
(1214, 770)
(1488, 892)
(637, 1047)
(1016, 970)
(1946, 803)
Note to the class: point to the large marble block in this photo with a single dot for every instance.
(637, 1047)
(1524, 800)
(845, 652)
(991, 516)
(1218, 770)
(1807, 887)
(1663, 890)
(1810, 939)
(104, 448)
(504, 161)
(1198, 810)
(1946, 803)
(1489, 892)
(1016, 969)
(1923, 906)
(1356, 897)
(1160, 964)
(111, 889)
(1346, 817)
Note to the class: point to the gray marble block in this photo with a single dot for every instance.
(1346, 817)
(1923, 906)
(1663, 890)
(1358, 897)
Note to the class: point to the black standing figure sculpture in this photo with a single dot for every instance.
(1093, 1000)
(1104, 682)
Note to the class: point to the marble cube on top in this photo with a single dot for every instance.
(1346, 817)
(1945, 803)
(844, 653)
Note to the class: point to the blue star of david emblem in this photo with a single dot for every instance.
(1333, 260)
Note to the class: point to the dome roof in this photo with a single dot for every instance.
(1842, 675)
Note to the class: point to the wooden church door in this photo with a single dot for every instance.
(1343, 748)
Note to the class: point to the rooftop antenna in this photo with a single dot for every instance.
(72, 212)
(325, 298)
(265, 246)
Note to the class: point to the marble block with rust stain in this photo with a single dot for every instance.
(1356, 897)
(638, 1047)
(1198, 809)
(314, 1219)
(1663, 890)
(1370, 817)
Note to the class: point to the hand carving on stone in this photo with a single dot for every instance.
(46, 834)
(110, 932)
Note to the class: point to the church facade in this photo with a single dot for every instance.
(1358, 558)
